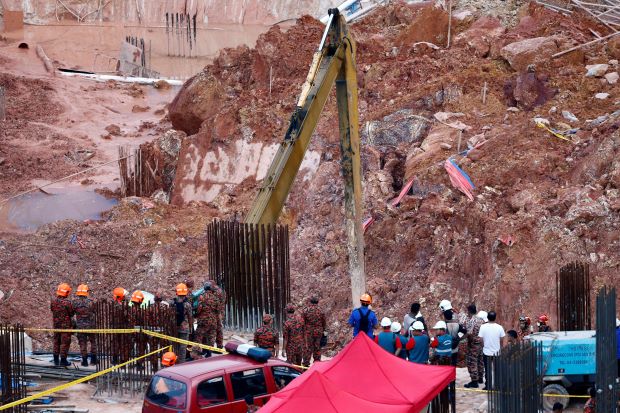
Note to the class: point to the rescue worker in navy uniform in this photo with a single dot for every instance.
(85, 319)
(315, 325)
(294, 336)
(266, 336)
(62, 314)
(363, 318)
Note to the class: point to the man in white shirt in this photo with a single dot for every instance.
(492, 335)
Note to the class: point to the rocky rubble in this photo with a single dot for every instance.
(556, 200)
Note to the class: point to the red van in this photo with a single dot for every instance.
(218, 384)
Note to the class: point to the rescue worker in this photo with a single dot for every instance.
(208, 317)
(456, 331)
(169, 359)
(525, 327)
(315, 326)
(388, 340)
(62, 314)
(475, 361)
(396, 328)
(294, 336)
(413, 316)
(84, 309)
(120, 321)
(221, 296)
(418, 344)
(543, 326)
(363, 318)
(266, 336)
(184, 319)
(442, 343)
(119, 294)
(136, 319)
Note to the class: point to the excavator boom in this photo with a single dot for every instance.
(332, 63)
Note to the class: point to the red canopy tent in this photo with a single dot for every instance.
(368, 372)
(319, 394)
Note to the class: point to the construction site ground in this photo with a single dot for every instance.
(539, 201)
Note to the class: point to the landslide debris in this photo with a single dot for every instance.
(475, 102)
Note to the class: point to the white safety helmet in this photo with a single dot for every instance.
(483, 315)
(445, 305)
(440, 325)
(386, 322)
(417, 325)
(396, 327)
(617, 322)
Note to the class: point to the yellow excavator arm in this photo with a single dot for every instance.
(332, 63)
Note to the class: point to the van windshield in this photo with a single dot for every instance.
(167, 392)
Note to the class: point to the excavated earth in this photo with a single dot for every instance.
(539, 202)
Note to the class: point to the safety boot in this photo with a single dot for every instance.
(64, 362)
(93, 359)
(471, 385)
(84, 361)
(56, 360)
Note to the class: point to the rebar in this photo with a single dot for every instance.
(130, 381)
(515, 382)
(251, 263)
(2, 104)
(607, 386)
(573, 297)
(12, 366)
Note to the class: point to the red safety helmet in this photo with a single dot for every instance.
(182, 289)
(169, 359)
(119, 294)
(82, 290)
(543, 318)
(63, 290)
(137, 297)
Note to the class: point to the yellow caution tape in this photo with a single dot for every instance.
(80, 380)
(138, 330)
(556, 134)
(85, 330)
(544, 394)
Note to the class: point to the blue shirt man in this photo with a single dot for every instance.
(363, 318)
(418, 353)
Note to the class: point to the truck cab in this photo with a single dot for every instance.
(218, 384)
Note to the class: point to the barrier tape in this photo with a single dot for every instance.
(80, 380)
(544, 394)
(139, 330)
(86, 330)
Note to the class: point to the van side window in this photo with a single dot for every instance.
(283, 375)
(248, 382)
(211, 392)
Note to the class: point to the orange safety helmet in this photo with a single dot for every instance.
(366, 299)
(543, 318)
(63, 290)
(82, 290)
(137, 297)
(169, 359)
(119, 294)
(182, 289)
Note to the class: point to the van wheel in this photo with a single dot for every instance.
(562, 396)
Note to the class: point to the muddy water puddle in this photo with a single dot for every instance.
(96, 47)
(30, 211)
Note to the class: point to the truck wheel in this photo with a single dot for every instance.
(562, 396)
